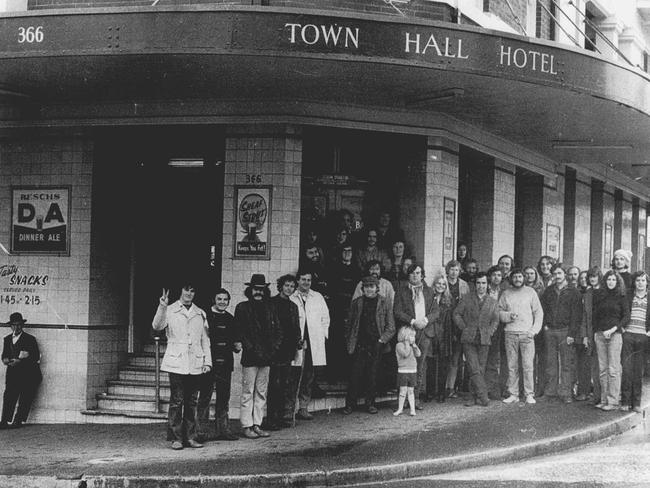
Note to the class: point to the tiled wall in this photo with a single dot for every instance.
(64, 300)
(582, 224)
(106, 350)
(441, 181)
(553, 209)
(608, 219)
(626, 225)
(503, 235)
(275, 153)
(412, 213)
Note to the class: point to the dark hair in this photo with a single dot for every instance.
(544, 258)
(284, 279)
(636, 275)
(304, 271)
(515, 271)
(481, 274)
(370, 229)
(493, 269)
(512, 261)
(451, 264)
(248, 292)
(620, 284)
(595, 271)
(413, 267)
(370, 264)
(222, 291)
(556, 266)
(187, 285)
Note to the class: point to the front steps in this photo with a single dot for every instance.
(130, 398)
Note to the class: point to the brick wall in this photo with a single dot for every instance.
(544, 23)
(422, 9)
(582, 224)
(553, 211)
(502, 10)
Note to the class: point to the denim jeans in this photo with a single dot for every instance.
(609, 362)
(183, 399)
(219, 379)
(516, 343)
(476, 357)
(560, 364)
(633, 359)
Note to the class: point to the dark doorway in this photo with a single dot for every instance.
(176, 218)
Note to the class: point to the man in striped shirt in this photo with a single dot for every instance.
(635, 336)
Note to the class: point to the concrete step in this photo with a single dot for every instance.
(132, 403)
(109, 416)
(132, 373)
(136, 387)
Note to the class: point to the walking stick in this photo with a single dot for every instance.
(296, 404)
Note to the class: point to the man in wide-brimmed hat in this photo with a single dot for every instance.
(21, 356)
(258, 326)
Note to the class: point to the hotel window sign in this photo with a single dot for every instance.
(40, 220)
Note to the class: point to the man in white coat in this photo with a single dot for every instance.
(186, 358)
(314, 329)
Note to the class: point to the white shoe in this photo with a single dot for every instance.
(530, 399)
(412, 413)
(397, 412)
(511, 399)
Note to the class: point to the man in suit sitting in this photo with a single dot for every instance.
(21, 356)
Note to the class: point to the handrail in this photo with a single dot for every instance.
(157, 372)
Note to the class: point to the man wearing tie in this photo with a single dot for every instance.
(21, 356)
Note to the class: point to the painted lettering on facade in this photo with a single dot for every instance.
(332, 35)
(527, 59)
(18, 289)
(442, 47)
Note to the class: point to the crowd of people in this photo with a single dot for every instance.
(360, 306)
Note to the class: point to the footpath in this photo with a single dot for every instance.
(331, 450)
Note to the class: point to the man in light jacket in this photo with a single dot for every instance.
(314, 329)
(187, 357)
(521, 312)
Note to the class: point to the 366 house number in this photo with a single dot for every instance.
(250, 178)
(30, 35)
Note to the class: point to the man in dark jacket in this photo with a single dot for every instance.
(258, 325)
(369, 328)
(477, 317)
(223, 343)
(562, 305)
(287, 313)
(21, 356)
(415, 306)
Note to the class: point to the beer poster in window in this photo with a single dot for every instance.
(252, 222)
(553, 241)
(40, 220)
(448, 230)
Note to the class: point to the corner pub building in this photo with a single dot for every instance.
(143, 140)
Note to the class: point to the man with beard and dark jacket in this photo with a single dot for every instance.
(289, 322)
(258, 325)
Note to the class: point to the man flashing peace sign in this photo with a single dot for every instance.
(186, 358)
